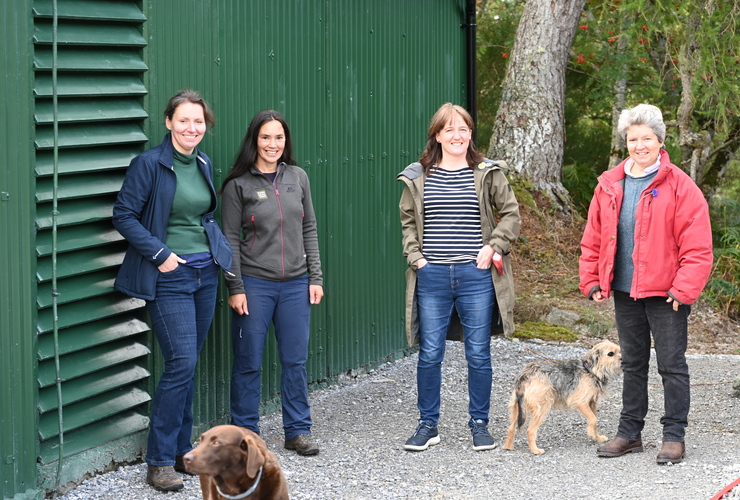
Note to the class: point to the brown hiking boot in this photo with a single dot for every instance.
(163, 478)
(671, 452)
(618, 447)
(180, 466)
(303, 444)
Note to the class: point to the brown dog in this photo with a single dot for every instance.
(234, 464)
(567, 384)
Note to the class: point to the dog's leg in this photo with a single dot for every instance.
(537, 415)
(515, 413)
(589, 411)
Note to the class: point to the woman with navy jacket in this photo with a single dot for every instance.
(165, 212)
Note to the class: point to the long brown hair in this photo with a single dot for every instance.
(246, 158)
(432, 154)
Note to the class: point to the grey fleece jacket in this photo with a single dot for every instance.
(271, 227)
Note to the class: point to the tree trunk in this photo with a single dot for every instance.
(529, 129)
(616, 154)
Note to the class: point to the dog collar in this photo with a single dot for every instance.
(242, 495)
(587, 367)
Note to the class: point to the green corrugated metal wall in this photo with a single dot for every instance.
(357, 82)
(18, 443)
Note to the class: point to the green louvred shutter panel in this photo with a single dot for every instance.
(103, 341)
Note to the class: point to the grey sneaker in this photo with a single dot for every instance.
(303, 444)
(424, 436)
(163, 478)
(482, 440)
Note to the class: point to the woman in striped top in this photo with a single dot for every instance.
(459, 261)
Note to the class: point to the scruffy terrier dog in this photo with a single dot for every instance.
(566, 384)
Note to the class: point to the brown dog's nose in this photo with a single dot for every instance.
(188, 458)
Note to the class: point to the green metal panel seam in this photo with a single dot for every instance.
(18, 475)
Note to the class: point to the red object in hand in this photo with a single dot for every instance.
(498, 263)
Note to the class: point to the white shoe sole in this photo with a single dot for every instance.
(430, 442)
(483, 448)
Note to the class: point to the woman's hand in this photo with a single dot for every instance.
(171, 263)
(315, 292)
(675, 303)
(238, 303)
(483, 261)
(598, 296)
(421, 263)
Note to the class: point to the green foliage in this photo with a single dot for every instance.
(586, 151)
(544, 331)
(723, 289)
(497, 24)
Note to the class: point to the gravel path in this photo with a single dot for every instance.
(362, 423)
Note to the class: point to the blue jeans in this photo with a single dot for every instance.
(286, 305)
(181, 316)
(635, 320)
(470, 290)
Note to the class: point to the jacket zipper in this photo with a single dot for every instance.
(282, 238)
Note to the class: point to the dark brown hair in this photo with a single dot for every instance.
(247, 155)
(189, 95)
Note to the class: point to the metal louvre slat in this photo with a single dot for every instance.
(90, 110)
(85, 160)
(101, 35)
(90, 85)
(84, 210)
(82, 135)
(80, 186)
(90, 410)
(81, 262)
(91, 9)
(92, 360)
(77, 238)
(90, 310)
(104, 431)
(76, 59)
(97, 383)
(77, 288)
(81, 337)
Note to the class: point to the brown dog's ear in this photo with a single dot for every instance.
(592, 357)
(254, 457)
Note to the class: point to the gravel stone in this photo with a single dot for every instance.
(362, 422)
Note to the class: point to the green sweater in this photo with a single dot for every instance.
(185, 233)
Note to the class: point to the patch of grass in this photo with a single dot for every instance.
(544, 331)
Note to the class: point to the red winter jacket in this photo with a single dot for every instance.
(673, 236)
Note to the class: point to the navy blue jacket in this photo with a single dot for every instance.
(141, 214)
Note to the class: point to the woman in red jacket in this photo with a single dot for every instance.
(648, 242)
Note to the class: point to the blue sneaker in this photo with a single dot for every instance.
(425, 436)
(482, 440)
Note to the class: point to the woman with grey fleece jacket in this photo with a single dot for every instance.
(269, 221)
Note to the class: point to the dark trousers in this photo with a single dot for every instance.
(181, 316)
(286, 305)
(636, 319)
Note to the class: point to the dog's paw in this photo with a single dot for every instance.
(508, 447)
(601, 439)
(537, 451)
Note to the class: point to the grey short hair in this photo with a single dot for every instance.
(642, 114)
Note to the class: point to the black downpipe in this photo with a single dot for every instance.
(470, 25)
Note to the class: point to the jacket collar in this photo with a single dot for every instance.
(166, 158)
(280, 168)
(416, 170)
(617, 174)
